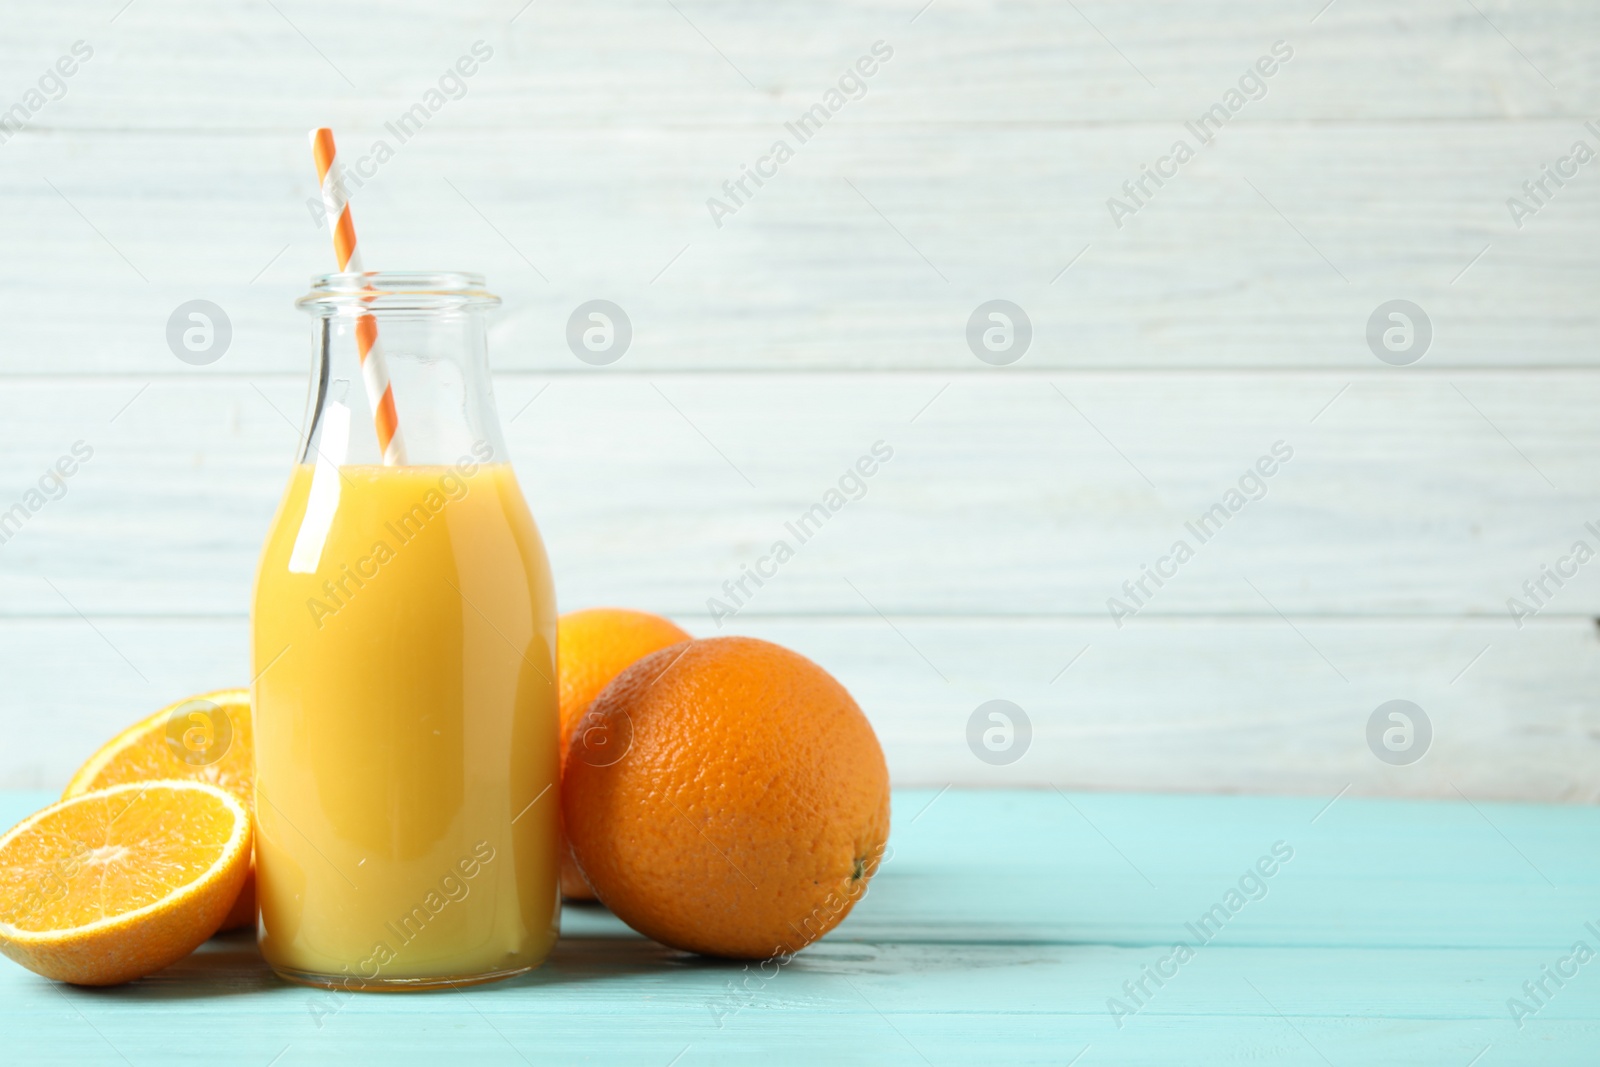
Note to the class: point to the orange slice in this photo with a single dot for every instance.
(118, 883)
(183, 740)
(204, 738)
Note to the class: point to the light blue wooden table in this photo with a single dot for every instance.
(997, 932)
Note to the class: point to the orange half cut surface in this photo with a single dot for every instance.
(117, 883)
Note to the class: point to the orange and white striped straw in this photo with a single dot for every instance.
(374, 369)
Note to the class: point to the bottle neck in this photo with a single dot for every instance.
(416, 369)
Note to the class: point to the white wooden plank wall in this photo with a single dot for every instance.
(828, 313)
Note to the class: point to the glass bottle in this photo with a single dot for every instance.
(403, 632)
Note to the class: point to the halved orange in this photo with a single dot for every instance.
(118, 883)
(204, 738)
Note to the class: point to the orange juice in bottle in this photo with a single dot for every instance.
(403, 633)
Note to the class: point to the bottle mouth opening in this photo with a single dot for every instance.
(396, 290)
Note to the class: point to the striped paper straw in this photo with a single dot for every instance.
(374, 369)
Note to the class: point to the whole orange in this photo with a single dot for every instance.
(593, 646)
(727, 796)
